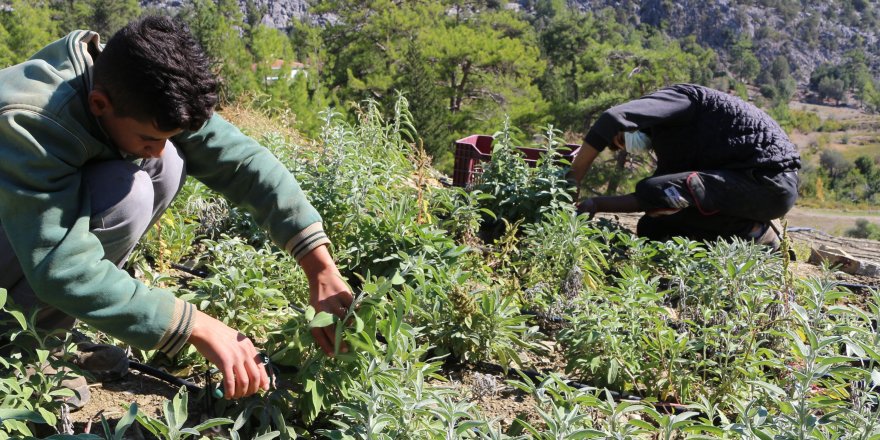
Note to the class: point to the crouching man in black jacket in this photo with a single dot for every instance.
(724, 167)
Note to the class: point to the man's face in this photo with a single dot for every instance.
(131, 136)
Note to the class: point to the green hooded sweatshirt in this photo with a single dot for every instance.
(47, 135)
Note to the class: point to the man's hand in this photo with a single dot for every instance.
(233, 353)
(587, 207)
(624, 203)
(328, 293)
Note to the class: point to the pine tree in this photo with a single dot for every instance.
(29, 27)
(218, 26)
(7, 56)
(102, 16)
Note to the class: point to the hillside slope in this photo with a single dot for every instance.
(821, 32)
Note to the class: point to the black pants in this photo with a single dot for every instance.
(713, 204)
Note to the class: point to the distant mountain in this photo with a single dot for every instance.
(276, 13)
(807, 32)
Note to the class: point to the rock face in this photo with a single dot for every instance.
(280, 12)
(806, 35)
(276, 13)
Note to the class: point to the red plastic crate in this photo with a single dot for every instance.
(471, 151)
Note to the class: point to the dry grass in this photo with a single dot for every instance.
(833, 221)
(256, 123)
(831, 112)
(853, 151)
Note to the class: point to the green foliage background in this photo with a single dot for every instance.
(466, 65)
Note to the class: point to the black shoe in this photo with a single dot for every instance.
(104, 362)
(769, 237)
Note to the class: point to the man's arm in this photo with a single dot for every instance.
(582, 163)
(249, 175)
(625, 203)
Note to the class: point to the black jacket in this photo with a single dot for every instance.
(694, 128)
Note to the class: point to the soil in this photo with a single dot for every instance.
(487, 386)
(503, 403)
(110, 399)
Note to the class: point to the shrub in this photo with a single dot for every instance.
(864, 229)
(520, 192)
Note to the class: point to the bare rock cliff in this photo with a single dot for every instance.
(807, 35)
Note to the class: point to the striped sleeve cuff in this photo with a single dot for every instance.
(306, 240)
(179, 331)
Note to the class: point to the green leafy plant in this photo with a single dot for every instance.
(471, 322)
(172, 425)
(324, 381)
(118, 433)
(603, 342)
(462, 212)
(520, 192)
(31, 390)
(565, 250)
(569, 412)
(248, 288)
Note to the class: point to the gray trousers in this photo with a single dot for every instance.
(126, 199)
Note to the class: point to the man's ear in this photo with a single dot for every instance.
(618, 141)
(99, 103)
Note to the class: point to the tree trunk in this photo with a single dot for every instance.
(458, 90)
(452, 93)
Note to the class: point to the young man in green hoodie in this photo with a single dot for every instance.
(95, 142)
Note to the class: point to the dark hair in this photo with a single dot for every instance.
(153, 69)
